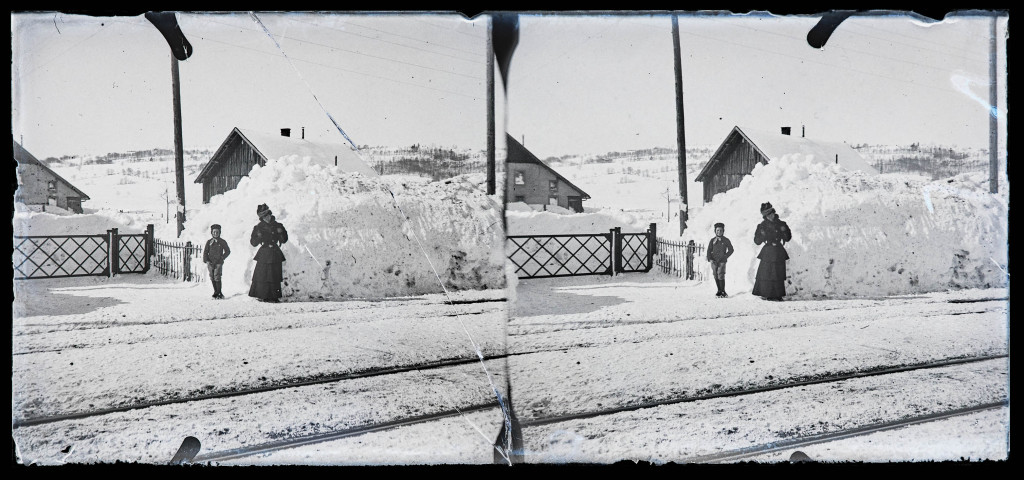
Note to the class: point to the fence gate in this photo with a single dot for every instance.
(61, 256)
(544, 256)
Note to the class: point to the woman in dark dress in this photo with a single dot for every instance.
(771, 272)
(269, 235)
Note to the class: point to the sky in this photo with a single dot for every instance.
(579, 84)
(589, 84)
(92, 85)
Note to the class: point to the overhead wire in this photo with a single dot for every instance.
(334, 47)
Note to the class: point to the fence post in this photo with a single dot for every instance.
(619, 249)
(187, 262)
(611, 252)
(149, 247)
(652, 245)
(690, 247)
(113, 252)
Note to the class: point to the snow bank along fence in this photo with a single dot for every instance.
(544, 256)
(58, 256)
(684, 260)
(180, 260)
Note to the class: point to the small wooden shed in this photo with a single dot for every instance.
(40, 186)
(244, 148)
(533, 182)
(744, 148)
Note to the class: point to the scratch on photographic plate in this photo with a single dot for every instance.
(476, 347)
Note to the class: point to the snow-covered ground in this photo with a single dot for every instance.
(396, 327)
(855, 235)
(886, 271)
(87, 344)
(587, 345)
(917, 274)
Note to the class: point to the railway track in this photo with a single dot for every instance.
(757, 450)
(538, 328)
(722, 457)
(742, 392)
(249, 391)
(337, 435)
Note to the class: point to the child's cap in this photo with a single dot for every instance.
(214, 227)
(719, 225)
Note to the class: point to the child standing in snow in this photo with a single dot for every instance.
(719, 250)
(214, 253)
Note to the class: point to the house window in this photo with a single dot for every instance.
(519, 178)
(51, 187)
(553, 200)
(520, 198)
(553, 187)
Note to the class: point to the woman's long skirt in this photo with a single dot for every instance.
(266, 281)
(770, 282)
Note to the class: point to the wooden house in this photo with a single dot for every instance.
(533, 182)
(744, 148)
(42, 187)
(244, 148)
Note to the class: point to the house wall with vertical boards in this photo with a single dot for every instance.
(736, 161)
(234, 163)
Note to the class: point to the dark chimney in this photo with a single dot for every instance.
(803, 131)
(785, 130)
(286, 132)
(303, 133)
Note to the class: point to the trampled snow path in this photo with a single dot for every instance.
(974, 437)
(593, 344)
(82, 345)
(151, 435)
(697, 431)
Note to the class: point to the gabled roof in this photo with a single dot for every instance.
(774, 146)
(517, 153)
(23, 156)
(272, 147)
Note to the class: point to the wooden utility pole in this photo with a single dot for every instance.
(993, 120)
(680, 131)
(490, 111)
(179, 156)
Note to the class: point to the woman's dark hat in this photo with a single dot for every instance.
(263, 211)
(767, 209)
(719, 225)
(215, 227)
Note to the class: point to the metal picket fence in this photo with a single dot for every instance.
(684, 260)
(180, 260)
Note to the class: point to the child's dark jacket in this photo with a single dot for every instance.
(719, 249)
(216, 251)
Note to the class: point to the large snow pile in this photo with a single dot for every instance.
(523, 219)
(353, 222)
(26, 222)
(856, 234)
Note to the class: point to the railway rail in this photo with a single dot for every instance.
(249, 391)
(742, 392)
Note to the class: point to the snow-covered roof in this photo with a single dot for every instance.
(273, 146)
(24, 156)
(517, 153)
(775, 145)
